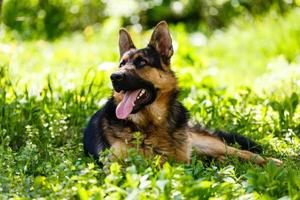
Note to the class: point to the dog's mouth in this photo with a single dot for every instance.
(133, 102)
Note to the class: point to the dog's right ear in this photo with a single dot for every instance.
(161, 41)
(125, 41)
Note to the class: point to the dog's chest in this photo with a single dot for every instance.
(153, 138)
(149, 136)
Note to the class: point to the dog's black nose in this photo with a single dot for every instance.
(117, 77)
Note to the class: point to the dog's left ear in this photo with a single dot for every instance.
(125, 41)
(162, 42)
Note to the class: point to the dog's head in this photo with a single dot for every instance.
(144, 74)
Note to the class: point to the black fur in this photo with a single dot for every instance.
(149, 53)
(154, 57)
(131, 82)
(178, 115)
(231, 138)
(245, 143)
(94, 141)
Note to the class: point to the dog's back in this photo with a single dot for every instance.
(145, 100)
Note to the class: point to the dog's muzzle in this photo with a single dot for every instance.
(137, 91)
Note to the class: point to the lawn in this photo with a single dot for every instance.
(244, 79)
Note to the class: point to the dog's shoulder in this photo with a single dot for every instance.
(178, 115)
(94, 139)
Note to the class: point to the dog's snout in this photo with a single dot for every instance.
(117, 77)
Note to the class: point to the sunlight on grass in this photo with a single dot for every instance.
(243, 79)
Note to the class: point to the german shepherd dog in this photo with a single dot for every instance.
(145, 100)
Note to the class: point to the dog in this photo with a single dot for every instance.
(144, 100)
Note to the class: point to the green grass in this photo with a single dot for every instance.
(245, 80)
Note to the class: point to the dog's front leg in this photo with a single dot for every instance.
(118, 150)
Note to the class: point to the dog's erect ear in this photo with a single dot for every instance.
(125, 41)
(161, 40)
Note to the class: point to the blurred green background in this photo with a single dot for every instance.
(51, 18)
(236, 41)
(238, 66)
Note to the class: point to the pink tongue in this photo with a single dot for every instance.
(126, 105)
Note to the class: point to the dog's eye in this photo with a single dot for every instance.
(122, 63)
(140, 62)
(143, 62)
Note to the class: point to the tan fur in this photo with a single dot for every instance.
(118, 96)
(118, 150)
(156, 113)
(212, 146)
(157, 140)
(152, 120)
(164, 80)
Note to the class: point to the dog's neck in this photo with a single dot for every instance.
(157, 113)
